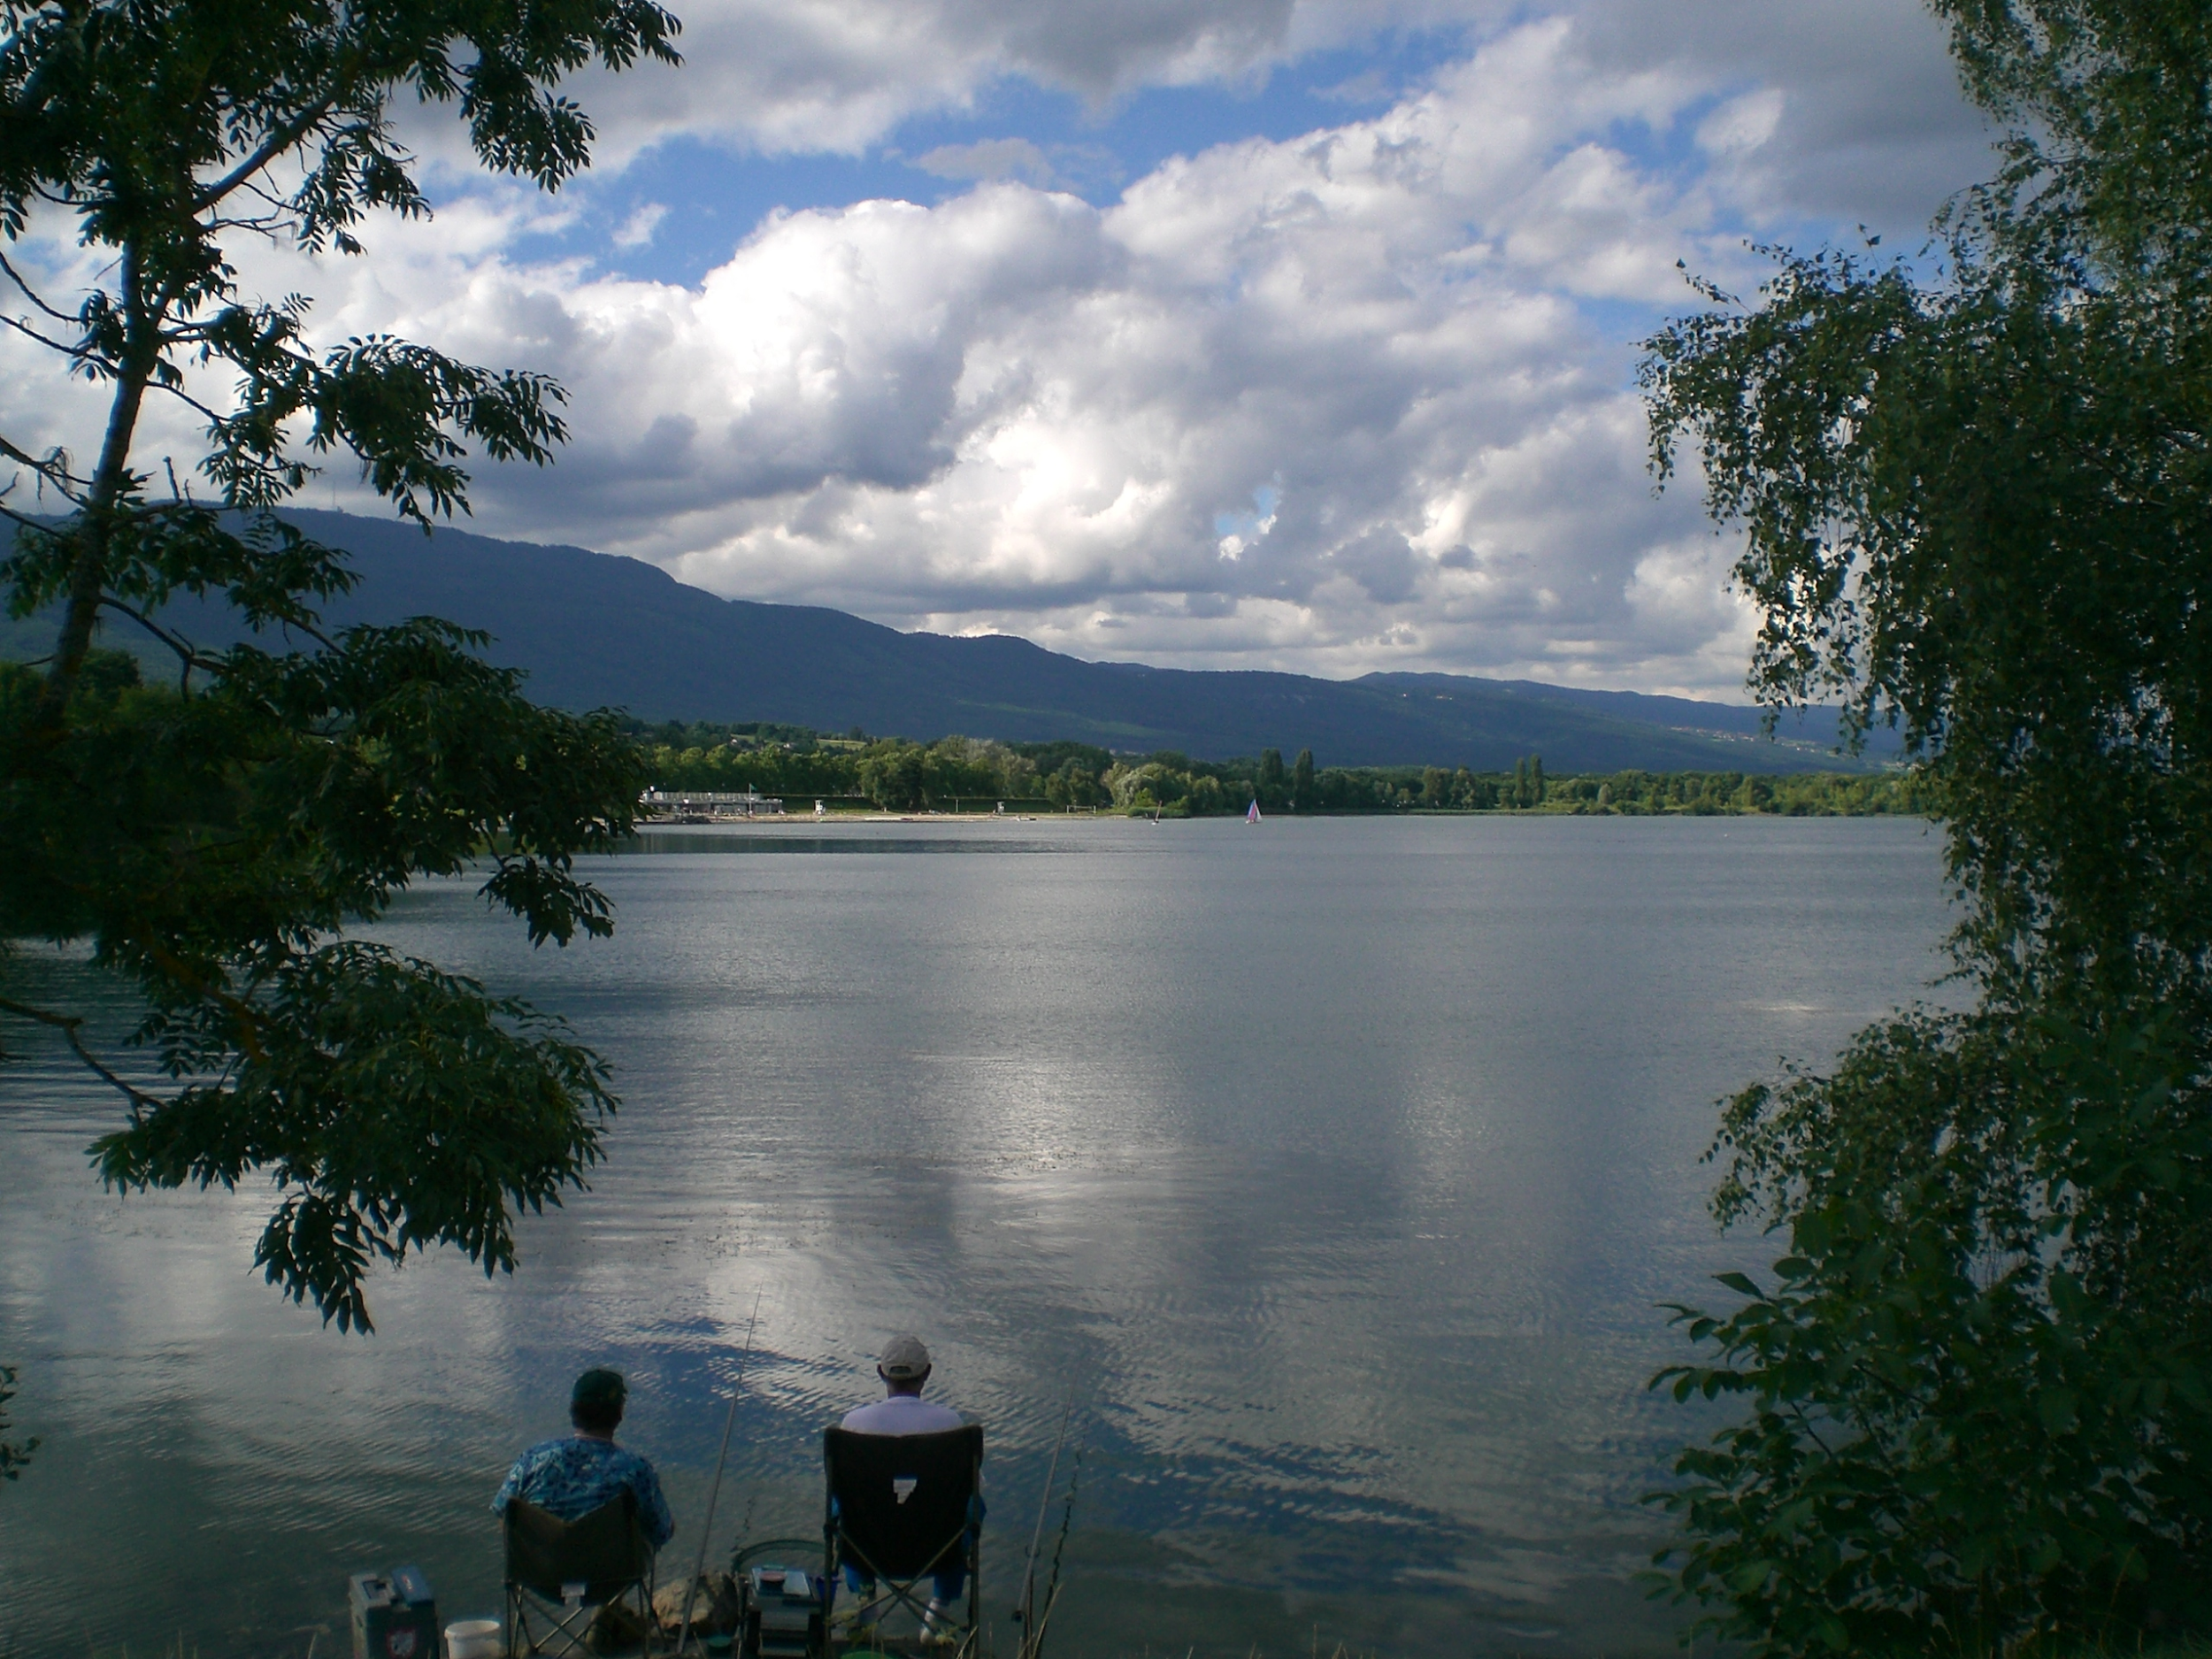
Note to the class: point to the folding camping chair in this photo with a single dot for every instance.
(901, 1509)
(570, 1574)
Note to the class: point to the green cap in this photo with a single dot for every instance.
(599, 1388)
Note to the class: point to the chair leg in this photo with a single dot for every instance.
(564, 1634)
(574, 1628)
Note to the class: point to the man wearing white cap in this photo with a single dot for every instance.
(905, 1368)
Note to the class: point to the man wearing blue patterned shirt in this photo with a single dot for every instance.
(570, 1478)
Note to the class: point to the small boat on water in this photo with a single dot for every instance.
(1252, 812)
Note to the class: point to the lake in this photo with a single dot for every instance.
(1334, 1169)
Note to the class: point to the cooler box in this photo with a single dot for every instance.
(395, 1615)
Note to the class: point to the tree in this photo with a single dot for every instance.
(1302, 791)
(215, 838)
(893, 776)
(1269, 786)
(1979, 505)
(1073, 785)
(1528, 782)
(1016, 774)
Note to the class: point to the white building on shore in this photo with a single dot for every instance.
(705, 805)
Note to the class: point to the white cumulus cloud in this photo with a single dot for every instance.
(1350, 400)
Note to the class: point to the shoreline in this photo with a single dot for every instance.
(808, 819)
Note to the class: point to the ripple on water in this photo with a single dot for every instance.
(1332, 1171)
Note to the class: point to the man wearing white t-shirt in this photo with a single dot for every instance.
(905, 1368)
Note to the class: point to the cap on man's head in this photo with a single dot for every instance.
(598, 1389)
(904, 1360)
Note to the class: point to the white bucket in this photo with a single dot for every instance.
(473, 1639)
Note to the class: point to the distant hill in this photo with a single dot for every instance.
(594, 630)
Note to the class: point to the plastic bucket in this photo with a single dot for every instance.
(473, 1639)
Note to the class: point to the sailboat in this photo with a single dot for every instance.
(1252, 812)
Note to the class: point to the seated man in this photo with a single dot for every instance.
(571, 1477)
(905, 1368)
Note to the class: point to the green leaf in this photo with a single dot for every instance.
(1751, 1576)
(2056, 1408)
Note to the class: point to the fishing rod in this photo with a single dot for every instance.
(1028, 1611)
(706, 1527)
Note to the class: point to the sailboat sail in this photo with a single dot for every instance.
(1252, 812)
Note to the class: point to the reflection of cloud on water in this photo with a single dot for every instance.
(1335, 1184)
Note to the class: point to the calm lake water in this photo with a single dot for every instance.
(1332, 1167)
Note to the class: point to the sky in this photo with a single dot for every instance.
(1231, 333)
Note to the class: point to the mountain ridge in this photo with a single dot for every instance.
(593, 629)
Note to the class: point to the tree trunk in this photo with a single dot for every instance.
(96, 522)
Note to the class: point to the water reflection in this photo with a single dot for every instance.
(1335, 1168)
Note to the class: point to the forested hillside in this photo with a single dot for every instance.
(594, 631)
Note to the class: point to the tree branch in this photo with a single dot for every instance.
(268, 150)
(176, 642)
(110, 488)
(67, 1024)
(80, 352)
(32, 294)
(54, 472)
(187, 399)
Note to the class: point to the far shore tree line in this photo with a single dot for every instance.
(955, 773)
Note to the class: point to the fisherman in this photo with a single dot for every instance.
(571, 1477)
(905, 1368)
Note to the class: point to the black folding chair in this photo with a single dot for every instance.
(568, 1576)
(901, 1509)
